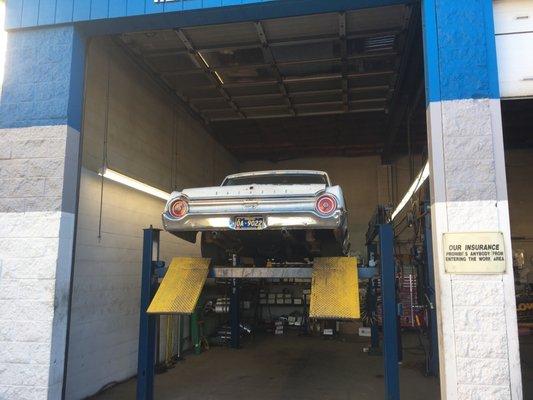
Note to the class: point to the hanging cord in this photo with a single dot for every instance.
(104, 150)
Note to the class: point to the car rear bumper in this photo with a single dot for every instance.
(273, 221)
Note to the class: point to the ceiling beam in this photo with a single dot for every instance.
(277, 43)
(268, 55)
(308, 114)
(294, 93)
(283, 106)
(221, 68)
(213, 76)
(344, 61)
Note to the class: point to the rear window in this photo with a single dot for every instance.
(281, 179)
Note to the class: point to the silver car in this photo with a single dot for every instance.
(283, 214)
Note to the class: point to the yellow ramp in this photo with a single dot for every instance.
(180, 289)
(334, 288)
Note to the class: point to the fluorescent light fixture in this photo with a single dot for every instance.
(219, 77)
(133, 183)
(209, 67)
(417, 184)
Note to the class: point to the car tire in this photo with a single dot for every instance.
(213, 251)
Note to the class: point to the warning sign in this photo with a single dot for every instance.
(474, 253)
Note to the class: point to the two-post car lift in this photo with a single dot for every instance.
(337, 275)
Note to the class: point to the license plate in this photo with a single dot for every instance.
(249, 223)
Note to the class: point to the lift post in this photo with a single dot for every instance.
(234, 314)
(148, 322)
(380, 227)
(234, 307)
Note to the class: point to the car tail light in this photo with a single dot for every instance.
(326, 204)
(178, 208)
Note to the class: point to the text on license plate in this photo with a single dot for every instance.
(249, 223)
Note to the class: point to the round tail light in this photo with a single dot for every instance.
(178, 208)
(326, 204)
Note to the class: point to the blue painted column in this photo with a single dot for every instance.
(40, 116)
(478, 340)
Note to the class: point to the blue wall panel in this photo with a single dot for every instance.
(173, 6)
(30, 13)
(192, 4)
(14, 13)
(64, 10)
(81, 10)
(151, 8)
(117, 8)
(135, 7)
(460, 54)
(47, 12)
(99, 9)
(212, 3)
(25, 13)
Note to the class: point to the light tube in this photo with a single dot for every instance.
(417, 184)
(133, 183)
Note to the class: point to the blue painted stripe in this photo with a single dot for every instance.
(13, 14)
(64, 9)
(431, 51)
(99, 9)
(460, 50)
(47, 12)
(30, 13)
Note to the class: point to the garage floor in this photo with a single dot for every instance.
(287, 367)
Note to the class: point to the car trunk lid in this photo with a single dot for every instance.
(254, 191)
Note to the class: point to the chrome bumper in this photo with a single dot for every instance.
(273, 221)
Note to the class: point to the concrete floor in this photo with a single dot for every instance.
(287, 367)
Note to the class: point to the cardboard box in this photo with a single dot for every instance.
(298, 301)
(288, 301)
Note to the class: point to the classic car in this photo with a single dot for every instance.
(289, 215)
